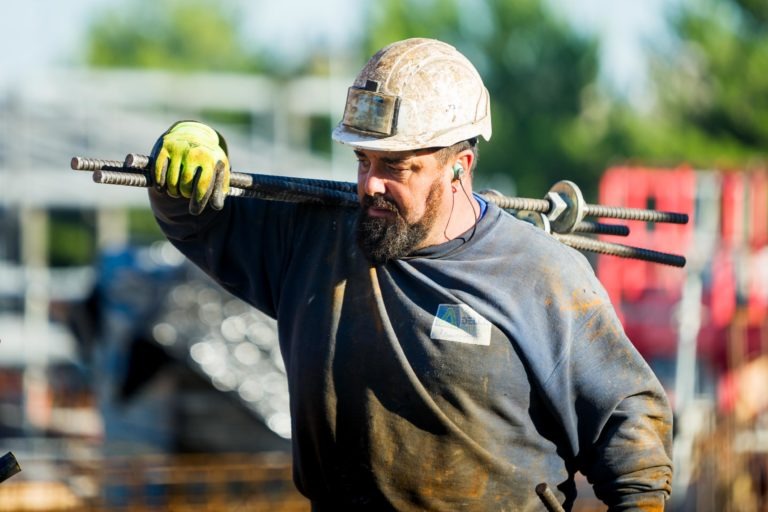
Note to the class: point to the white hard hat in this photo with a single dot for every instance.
(414, 94)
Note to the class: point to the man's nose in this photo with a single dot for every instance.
(373, 183)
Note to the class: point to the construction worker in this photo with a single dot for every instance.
(440, 354)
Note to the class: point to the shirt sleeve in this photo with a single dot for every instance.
(615, 410)
(244, 247)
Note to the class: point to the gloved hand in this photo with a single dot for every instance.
(190, 160)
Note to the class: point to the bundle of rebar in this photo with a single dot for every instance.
(562, 212)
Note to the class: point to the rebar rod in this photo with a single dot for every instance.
(590, 210)
(9, 466)
(519, 203)
(244, 180)
(621, 212)
(259, 186)
(79, 163)
(598, 228)
(547, 497)
(137, 161)
(624, 251)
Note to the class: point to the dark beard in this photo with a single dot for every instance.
(382, 238)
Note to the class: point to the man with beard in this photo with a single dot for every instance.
(440, 354)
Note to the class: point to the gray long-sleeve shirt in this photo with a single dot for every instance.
(455, 379)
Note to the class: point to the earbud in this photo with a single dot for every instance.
(458, 171)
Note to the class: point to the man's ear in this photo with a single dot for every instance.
(465, 159)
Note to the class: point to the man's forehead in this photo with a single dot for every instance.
(395, 156)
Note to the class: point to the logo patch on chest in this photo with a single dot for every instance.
(460, 323)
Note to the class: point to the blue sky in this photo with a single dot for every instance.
(38, 34)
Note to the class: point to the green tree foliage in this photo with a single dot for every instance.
(713, 91)
(539, 72)
(181, 35)
(176, 35)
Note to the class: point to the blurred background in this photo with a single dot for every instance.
(129, 382)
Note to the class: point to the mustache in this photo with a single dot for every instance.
(380, 202)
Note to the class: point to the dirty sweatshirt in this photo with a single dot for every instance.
(455, 379)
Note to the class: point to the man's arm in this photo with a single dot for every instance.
(621, 416)
(615, 416)
(241, 244)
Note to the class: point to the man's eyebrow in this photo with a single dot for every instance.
(394, 159)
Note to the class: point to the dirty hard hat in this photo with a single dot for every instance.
(414, 94)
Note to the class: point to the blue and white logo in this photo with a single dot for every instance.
(462, 324)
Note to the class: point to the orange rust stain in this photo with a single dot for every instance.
(581, 306)
(650, 504)
(450, 477)
(659, 416)
(600, 328)
(580, 302)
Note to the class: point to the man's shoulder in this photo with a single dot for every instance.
(533, 239)
(536, 254)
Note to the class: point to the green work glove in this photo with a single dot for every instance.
(190, 160)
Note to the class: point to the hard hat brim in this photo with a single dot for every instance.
(358, 140)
